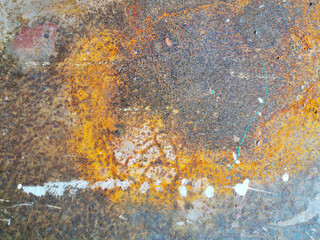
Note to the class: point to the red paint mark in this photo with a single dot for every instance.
(41, 37)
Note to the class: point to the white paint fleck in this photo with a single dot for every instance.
(260, 100)
(183, 191)
(261, 6)
(122, 217)
(285, 177)
(144, 187)
(228, 20)
(188, 221)
(209, 192)
(19, 186)
(180, 223)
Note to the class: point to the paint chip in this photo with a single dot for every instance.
(260, 100)
(209, 192)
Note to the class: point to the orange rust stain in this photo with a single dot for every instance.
(147, 152)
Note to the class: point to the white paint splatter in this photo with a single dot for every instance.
(285, 177)
(110, 184)
(19, 186)
(123, 184)
(260, 100)
(144, 187)
(55, 188)
(183, 191)
(39, 191)
(242, 188)
(209, 192)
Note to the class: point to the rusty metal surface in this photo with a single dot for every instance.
(121, 119)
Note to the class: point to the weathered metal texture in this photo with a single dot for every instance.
(137, 118)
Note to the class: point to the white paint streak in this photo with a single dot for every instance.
(6, 220)
(260, 100)
(55, 188)
(110, 184)
(209, 192)
(180, 223)
(39, 191)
